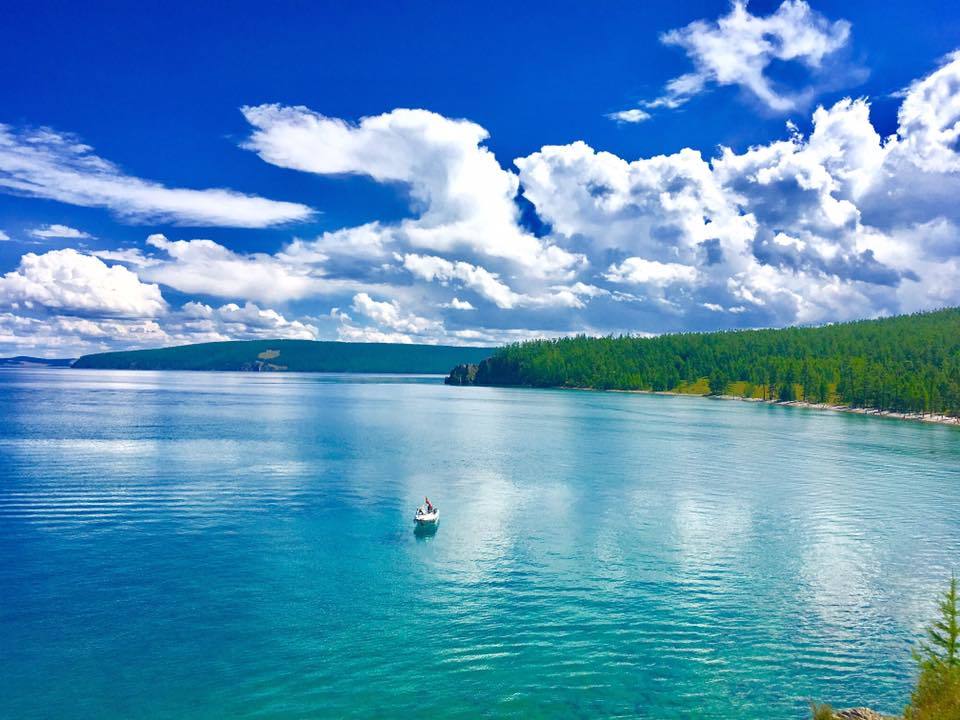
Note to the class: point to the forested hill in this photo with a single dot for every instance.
(909, 363)
(292, 356)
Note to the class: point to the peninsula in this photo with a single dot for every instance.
(291, 356)
(909, 364)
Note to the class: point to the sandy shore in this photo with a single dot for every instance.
(914, 417)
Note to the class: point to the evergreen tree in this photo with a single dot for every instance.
(942, 646)
(937, 694)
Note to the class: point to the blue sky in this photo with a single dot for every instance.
(514, 203)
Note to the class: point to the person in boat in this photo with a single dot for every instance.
(429, 505)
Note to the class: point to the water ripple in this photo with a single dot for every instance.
(241, 546)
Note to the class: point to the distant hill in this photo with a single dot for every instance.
(909, 363)
(27, 361)
(291, 356)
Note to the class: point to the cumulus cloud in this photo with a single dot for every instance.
(59, 231)
(364, 242)
(458, 304)
(478, 279)
(3, 236)
(205, 267)
(388, 314)
(66, 280)
(929, 119)
(47, 164)
(638, 271)
(65, 301)
(235, 322)
(665, 208)
(485, 283)
(70, 336)
(351, 333)
(738, 49)
(463, 198)
(385, 321)
(72, 316)
(837, 223)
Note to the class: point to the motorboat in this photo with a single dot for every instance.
(427, 516)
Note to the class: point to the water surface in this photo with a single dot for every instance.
(202, 545)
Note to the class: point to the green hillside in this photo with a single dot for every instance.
(291, 356)
(909, 363)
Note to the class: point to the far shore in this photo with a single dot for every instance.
(913, 417)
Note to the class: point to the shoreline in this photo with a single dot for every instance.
(874, 412)
(948, 420)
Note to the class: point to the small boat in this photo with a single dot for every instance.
(426, 517)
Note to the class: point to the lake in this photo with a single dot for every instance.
(199, 545)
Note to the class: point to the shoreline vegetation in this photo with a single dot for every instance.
(905, 367)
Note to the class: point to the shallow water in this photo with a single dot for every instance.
(238, 545)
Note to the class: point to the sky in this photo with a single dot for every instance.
(470, 173)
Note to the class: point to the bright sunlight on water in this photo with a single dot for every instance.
(240, 545)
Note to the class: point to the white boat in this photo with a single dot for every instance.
(424, 517)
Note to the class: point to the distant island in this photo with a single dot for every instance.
(291, 356)
(909, 364)
(28, 361)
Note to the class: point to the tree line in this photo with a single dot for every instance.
(908, 363)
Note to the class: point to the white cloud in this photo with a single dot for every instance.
(70, 336)
(207, 268)
(364, 242)
(67, 336)
(458, 304)
(386, 323)
(582, 289)
(638, 271)
(929, 119)
(632, 116)
(47, 164)
(738, 48)
(67, 280)
(129, 256)
(465, 200)
(59, 231)
(3, 236)
(662, 208)
(393, 325)
(352, 333)
(835, 225)
(235, 322)
(486, 284)
(482, 281)
(388, 314)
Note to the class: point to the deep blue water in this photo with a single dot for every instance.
(191, 545)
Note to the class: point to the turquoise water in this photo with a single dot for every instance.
(179, 545)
